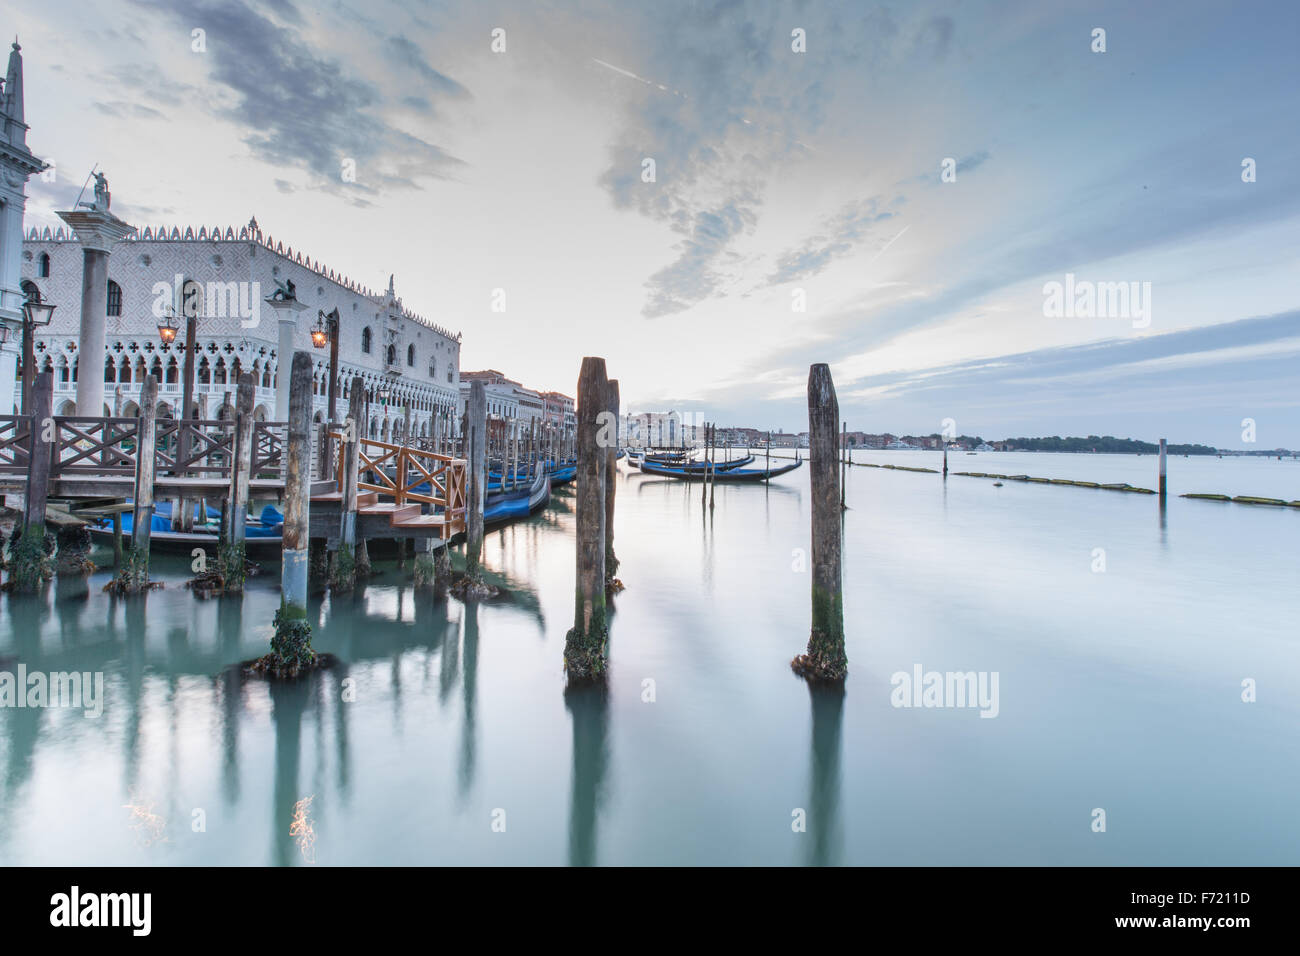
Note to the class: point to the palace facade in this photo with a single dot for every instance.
(130, 279)
(406, 361)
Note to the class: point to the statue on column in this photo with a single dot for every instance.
(103, 198)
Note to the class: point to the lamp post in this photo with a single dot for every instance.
(182, 517)
(35, 312)
(327, 331)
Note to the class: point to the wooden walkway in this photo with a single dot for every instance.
(401, 490)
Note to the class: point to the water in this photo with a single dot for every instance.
(1118, 689)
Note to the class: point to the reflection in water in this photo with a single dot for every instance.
(588, 708)
(827, 842)
(709, 612)
(465, 774)
(288, 700)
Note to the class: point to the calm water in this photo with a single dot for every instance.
(1118, 689)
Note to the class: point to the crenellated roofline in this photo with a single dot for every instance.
(267, 242)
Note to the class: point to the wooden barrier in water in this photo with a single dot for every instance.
(585, 645)
(825, 659)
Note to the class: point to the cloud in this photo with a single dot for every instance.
(303, 109)
(837, 237)
(408, 54)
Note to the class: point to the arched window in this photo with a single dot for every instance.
(30, 290)
(110, 370)
(114, 298)
(125, 374)
(173, 372)
(410, 355)
(219, 377)
(433, 368)
(392, 355)
(205, 373)
(43, 266)
(365, 340)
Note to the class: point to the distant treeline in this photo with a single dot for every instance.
(1104, 444)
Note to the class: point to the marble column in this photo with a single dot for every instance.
(98, 231)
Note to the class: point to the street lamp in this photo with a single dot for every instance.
(327, 331)
(167, 329)
(35, 312)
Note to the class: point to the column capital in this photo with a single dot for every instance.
(97, 229)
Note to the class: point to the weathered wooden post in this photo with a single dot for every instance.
(945, 458)
(31, 567)
(476, 424)
(291, 650)
(611, 474)
(344, 576)
(241, 467)
(585, 644)
(1163, 485)
(844, 467)
(704, 478)
(825, 659)
(134, 575)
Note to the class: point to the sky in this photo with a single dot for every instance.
(890, 188)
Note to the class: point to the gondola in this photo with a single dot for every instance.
(562, 473)
(732, 475)
(499, 506)
(262, 535)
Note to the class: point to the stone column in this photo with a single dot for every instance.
(12, 200)
(98, 230)
(284, 365)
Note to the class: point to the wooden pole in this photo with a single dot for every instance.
(476, 425)
(844, 468)
(1163, 483)
(344, 575)
(183, 518)
(31, 567)
(291, 650)
(297, 488)
(712, 471)
(135, 573)
(611, 474)
(241, 467)
(585, 645)
(29, 363)
(825, 659)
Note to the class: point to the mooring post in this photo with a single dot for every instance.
(31, 567)
(704, 478)
(476, 423)
(825, 658)
(291, 649)
(344, 576)
(241, 468)
(611, 475)
(1163, 485)
(585, 644)
(844, 467)
(135, 572)
(945, 458)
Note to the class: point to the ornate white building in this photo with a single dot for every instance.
(405, 360)
(410, 365)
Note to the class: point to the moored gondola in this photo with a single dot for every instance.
(730, 475)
